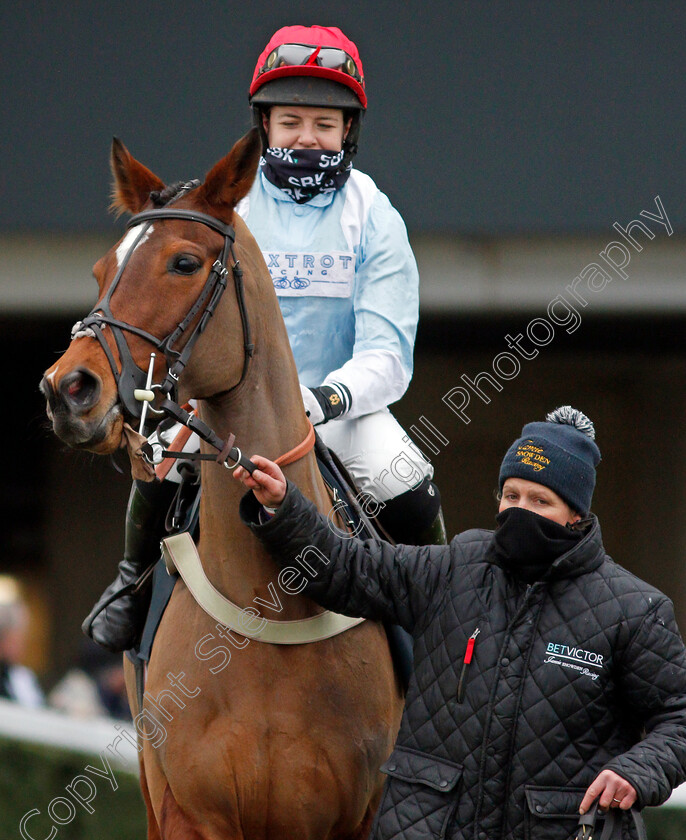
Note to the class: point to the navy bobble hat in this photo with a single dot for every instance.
(560, 453)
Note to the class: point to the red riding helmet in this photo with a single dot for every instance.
(311, 65)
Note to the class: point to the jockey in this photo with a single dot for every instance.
(342, 268)
(348, 286)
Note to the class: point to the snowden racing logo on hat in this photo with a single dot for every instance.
(529, 453)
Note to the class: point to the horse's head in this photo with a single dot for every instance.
(155, 287)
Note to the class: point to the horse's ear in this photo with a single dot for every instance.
(230, 180)
(133, 182)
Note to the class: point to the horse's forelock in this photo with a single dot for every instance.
(160, 198)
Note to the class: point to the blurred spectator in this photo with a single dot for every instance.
(17, 682)
(95, 687)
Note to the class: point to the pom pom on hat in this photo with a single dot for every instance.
(559, 453)
(565, 414)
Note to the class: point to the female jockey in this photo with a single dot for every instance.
(342, 268)
(347, 283)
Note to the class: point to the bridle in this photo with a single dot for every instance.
(132, 380)
(129, 377)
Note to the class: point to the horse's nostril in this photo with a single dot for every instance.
(80, 389)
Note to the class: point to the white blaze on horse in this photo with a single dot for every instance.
(285, 741)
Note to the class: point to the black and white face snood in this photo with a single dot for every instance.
(304, 173)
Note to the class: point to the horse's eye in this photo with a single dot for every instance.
(183, 264)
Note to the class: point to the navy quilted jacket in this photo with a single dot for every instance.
(582, 671)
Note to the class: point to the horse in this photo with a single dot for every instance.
(286, 741)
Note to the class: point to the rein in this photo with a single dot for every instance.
(131, 378)
(298, 451)
(227, 450)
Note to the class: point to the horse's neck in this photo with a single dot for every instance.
(233, 559)
(265, 413)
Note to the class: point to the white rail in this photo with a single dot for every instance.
(91, 736)
(94, 735)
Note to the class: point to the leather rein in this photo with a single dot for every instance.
(227, 450)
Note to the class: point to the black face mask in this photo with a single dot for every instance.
(304, 173)
(526, 543)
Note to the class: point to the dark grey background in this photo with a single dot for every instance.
(485, 117)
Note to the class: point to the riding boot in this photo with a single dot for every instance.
(435, 533)
(415, 517)
(117, 620)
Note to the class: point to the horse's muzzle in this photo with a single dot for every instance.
(70, 408)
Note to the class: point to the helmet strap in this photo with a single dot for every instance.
(350, 144)
(257, 112)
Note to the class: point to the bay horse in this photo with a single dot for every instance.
(285, 743)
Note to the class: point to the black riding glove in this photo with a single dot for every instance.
(330, 401)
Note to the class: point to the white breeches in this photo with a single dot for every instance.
(378, 454)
